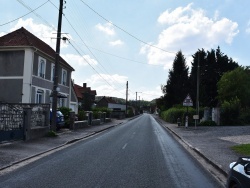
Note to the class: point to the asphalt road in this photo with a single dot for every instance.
(139, 153)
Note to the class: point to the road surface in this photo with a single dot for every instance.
(139, 153)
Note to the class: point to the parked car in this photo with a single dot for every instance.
(239, 174)
(59, 119)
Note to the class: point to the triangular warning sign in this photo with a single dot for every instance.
(188, 101)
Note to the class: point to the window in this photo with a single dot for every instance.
(41, 67)
(39, 96)
(52, 72)
(64, 77)
(62, 102)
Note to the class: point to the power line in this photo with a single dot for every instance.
(24, 14)
(140, 40)
(124, 58)
(93, 67)
(32, 11)
(84, 43)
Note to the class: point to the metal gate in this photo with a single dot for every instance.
(11, 122)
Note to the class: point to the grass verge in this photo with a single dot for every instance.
(243, 149)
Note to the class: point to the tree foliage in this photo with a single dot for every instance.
(213, 64)
(235, 84)
(176, 88)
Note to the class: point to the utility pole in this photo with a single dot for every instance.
(57, 55)
(139, 104)
(136, 103)
(198, 88)
(126, 99)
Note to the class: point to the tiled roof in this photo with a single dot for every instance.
(22, 37)
(80, 90)
(77, 90)
(109, 100)
(93, 92)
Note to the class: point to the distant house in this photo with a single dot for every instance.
(108, 102)
(85, 96)
(27, 66)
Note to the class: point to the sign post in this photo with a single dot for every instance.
(187, 102)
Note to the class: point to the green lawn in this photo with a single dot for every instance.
(243, 149)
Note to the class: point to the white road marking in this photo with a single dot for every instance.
(125, 146)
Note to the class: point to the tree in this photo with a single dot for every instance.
(213, 64)
(235, 84)
(200, 56)
(176, 88)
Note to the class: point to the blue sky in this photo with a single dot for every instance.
(111, 41)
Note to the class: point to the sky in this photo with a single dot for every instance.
(111, 42)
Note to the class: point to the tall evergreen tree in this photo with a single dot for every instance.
(176, 88)
(200, 56)
(213, 64)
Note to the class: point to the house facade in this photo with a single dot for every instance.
(111, 104)
(85, 96)
(27, 66)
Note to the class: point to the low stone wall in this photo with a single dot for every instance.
(96, 122)
(37, 132)
(80, 124)
(107, 120)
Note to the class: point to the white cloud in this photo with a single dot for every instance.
(180, 14)
(248, 28)
(79, 61)
(43, 32)
(116, 43)
(2, 33)
(188, 29)
(111, 79)
(106, 28)
(99, 83)
(146, 94)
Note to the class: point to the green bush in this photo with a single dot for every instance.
(66, 112)
(207, 123)
(245, 115)
(171, 115)
(230, 112)
(95, 114)
(52, 134)
(81, 115)
(101, 109)
(130, 112)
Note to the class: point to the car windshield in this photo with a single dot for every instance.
(59, 113)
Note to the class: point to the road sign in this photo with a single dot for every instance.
(188, 101)
(195, 116)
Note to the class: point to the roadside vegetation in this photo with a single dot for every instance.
(82, 114)
(243, 149)
(222, 83)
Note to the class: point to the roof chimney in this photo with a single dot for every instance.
(84, 85)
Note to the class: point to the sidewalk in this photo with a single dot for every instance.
(17, 151)
(213, 143)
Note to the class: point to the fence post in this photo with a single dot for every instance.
(90, 117)
(104, 117)
(72, 120)
(27, 123)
